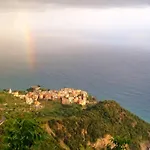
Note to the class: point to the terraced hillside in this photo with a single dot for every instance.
(73, 127)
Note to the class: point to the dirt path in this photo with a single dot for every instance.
(2, 120)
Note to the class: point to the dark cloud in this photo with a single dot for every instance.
(98, 2)
(76, 3)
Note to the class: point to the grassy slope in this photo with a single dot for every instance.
(15, 107)
(106, 117)
(67, 122)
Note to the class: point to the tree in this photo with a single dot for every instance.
(22, 134)
(30, 89)
(118, 144)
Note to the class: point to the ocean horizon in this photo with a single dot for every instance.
(105, 72)
(95, 46)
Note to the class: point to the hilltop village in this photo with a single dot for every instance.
(65, 95)
(67, 114)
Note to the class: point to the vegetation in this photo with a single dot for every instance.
(57, 110)
(69, 127)
(25, 133)
(106, 117)
(21, 134)
(119, 144)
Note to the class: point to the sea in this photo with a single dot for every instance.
(108, 72)
(102, 50)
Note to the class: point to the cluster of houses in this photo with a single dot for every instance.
(65, 96)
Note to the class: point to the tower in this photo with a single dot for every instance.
(10, 91)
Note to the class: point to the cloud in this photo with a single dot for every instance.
(98, 2)
(41, 4)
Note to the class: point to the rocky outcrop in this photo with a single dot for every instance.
(102, 143)
(145, 145)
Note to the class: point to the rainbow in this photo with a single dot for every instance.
(30, 47)
(22, 23)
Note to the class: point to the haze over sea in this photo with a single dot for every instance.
(103, 49)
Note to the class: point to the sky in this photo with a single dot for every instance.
(27, 26)
(77, 3)
(51, 34)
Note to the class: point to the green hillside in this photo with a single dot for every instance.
(73, 127)
(104, 118)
